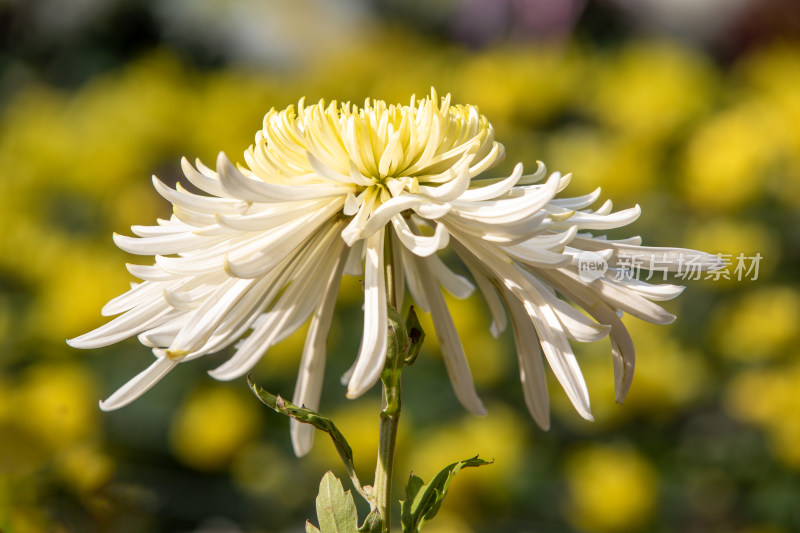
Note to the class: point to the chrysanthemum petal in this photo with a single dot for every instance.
(418, 244)
(577, 202)
(127, 325)
(531, 367)
(450, 190)
(449, 342)
(204, 182)
(622, 349)
(458, 286)
(504, 211)
(656, 292)
(138, 385)
(292, 308)
(308, 388)
(576, 325)
(240, 186)
(489, 293)
(550, 331)
(413, 280)
(372, 354)
(487, 192)
(593, 221)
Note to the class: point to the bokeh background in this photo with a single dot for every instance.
(690, 108)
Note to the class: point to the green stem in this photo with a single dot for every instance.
(391, 270)
(390, 414)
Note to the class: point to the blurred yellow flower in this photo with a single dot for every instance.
(85, 467)
(28, 520)
(622, 165)
(515, 84)
(264, 471)
(764, 397)
(611, 489)
(57, 403)
(212, 425)
(650, 89)
(773, 73)
(81, 279)
(728, 161)
(760, 324)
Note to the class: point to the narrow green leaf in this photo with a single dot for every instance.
(311, 528)
(412, 489)
(423, 501)
(336, 510)
(320, 422)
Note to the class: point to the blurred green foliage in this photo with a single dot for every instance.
(707, 440)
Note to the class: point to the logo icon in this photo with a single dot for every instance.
(591, 266)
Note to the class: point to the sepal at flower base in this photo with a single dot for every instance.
(423, 501)
(415, 336)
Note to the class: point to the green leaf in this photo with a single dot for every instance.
(336, 510)
(412, 489)
(423, 501)
(320, 422)
(311, 528)
(372, 524)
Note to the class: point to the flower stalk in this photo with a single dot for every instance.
(390, 380)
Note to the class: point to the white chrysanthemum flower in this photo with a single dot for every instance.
(266, 248)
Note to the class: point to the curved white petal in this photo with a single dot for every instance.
(206, 182)
(577, 202)
(450, 190)
(413, 279)
(576, 325)
(549, 329)
(593, 221)
(138, 385)
(127, 325)
(510, 210)
(419, 244)
(622, 349)
(372, 355)
(240, 186)
(487, 192)
(449, 342)
(292, 308)
(308, 388)
(458, 286)
(489, 293)
(531, 367)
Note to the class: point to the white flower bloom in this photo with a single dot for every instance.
(267, 245)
